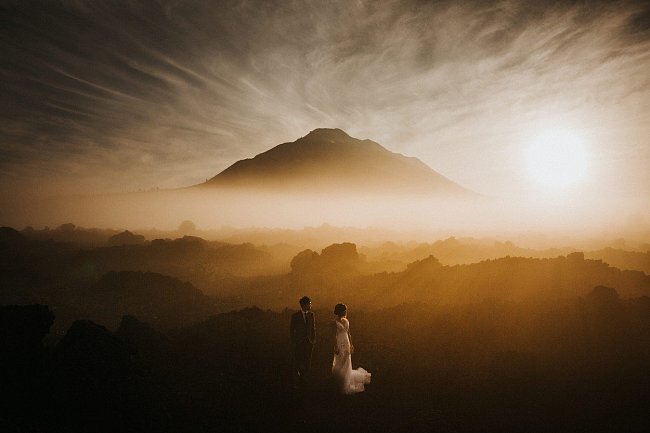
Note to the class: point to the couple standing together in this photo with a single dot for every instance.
(303, 337)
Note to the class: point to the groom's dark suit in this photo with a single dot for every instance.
(303, 337)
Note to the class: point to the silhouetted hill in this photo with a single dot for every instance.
(506, 278)
(239, 337)
(335, 261)
(126, 238)
(70, 233)
(153, 347)
(329, 160)
(22, 329)
(24, 368)
(157, 299)
(633, 260)
(10, 237)
(189, 258)
(391, 256)
(102, 385)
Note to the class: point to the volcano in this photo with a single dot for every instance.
(331, 161)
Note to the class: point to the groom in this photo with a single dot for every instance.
(303, 337)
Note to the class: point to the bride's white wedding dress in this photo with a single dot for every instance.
(351, 381)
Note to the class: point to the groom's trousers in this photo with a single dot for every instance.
(302, 357)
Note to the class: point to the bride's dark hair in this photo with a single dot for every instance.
(340, 309)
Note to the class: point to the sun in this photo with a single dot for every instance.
(557, 159)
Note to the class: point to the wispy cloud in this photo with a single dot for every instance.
(114, 96)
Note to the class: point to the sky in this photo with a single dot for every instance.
(117, 96)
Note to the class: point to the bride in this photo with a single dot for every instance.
(350, 381)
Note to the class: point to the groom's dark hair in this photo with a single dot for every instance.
(304, 300)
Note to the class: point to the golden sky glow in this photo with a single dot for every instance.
(118, 97)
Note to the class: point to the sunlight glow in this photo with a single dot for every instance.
(557, 159)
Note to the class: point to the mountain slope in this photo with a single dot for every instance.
(329, 160)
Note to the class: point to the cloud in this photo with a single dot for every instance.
(122, 96)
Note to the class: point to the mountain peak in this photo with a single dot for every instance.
(328, 133)
(330, 160)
